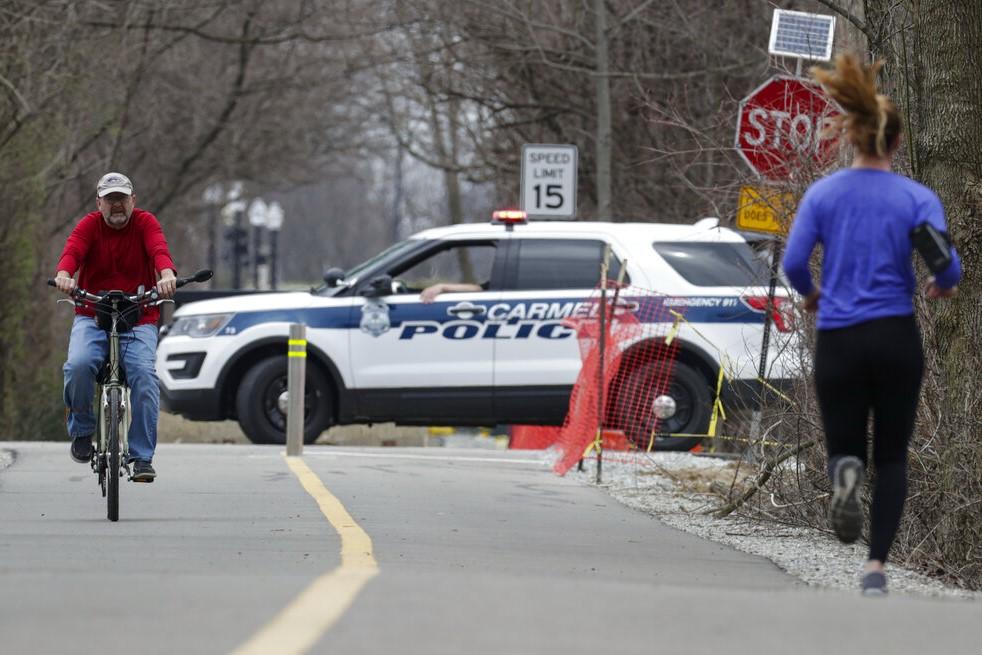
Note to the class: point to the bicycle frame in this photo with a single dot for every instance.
(103, 395)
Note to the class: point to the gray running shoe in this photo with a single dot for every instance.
(846, 515)
(874, 584)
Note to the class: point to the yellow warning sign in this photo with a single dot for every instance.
(764, 210)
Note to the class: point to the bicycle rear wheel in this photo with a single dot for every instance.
(112, 470)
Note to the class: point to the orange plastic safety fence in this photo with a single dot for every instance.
(639, 354)
(533, 437)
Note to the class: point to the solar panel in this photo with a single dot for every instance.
(797, 34)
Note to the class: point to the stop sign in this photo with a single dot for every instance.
(781, 126)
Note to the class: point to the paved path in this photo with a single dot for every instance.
(476, 552)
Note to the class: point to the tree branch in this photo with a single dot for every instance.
(252, 41)
(14, 92)
(762, 478)
(628, 17)
(523, 18)
(849, 16)
(245, 51)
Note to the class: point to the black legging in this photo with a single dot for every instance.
(874, 365)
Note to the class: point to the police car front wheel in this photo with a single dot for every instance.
(261, 401)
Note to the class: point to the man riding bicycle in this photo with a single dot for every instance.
(117, 247)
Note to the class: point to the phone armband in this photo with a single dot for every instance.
(933, 245)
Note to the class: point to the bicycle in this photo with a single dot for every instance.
(116, 312)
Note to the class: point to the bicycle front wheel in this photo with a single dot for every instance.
(112, 470)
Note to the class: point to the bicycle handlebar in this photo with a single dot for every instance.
(140, 298)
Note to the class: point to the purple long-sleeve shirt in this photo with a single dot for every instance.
(863, 218)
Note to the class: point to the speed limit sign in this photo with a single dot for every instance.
(549, 180)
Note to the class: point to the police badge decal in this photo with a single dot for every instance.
(375, 317)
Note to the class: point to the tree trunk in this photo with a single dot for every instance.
(949, 155)
(397, 197)
(603, 113)
(934, 55)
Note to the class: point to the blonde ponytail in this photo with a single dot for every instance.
(871, 120)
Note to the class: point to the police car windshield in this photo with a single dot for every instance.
(395, 250)
(352, 275)
(715, 264)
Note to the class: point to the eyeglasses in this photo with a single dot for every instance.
(115, 198)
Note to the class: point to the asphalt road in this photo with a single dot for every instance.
(445, 551)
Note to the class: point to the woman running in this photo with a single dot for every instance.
(868, 354)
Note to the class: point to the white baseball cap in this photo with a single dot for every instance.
(114, 183)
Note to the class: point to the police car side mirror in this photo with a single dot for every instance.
(333, 276)
(378, 287)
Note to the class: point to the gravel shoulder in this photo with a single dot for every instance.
(643, 482)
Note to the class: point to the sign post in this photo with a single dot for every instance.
(549, 180)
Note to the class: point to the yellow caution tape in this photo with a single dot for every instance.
(651, 441)
(672, 333)
(718, 410)
(775, 391)
(763, 442)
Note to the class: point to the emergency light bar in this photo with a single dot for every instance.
(509, 216)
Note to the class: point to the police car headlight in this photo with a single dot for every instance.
(205, 325)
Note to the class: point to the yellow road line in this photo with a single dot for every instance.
(300, 624)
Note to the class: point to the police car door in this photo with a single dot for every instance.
(547, 280)
(422, 363)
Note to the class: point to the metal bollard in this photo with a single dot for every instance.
(296, 374)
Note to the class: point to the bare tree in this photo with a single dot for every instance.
(177, 94)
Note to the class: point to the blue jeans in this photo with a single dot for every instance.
(88, 348)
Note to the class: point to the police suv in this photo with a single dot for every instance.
(502, 353)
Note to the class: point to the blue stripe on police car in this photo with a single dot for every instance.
(506, 319)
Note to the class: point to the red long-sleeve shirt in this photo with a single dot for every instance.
(121, 260)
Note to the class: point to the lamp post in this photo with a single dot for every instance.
(258, 212)
(212, 197)
(234, 232)
(274, 221)
(232, 214)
